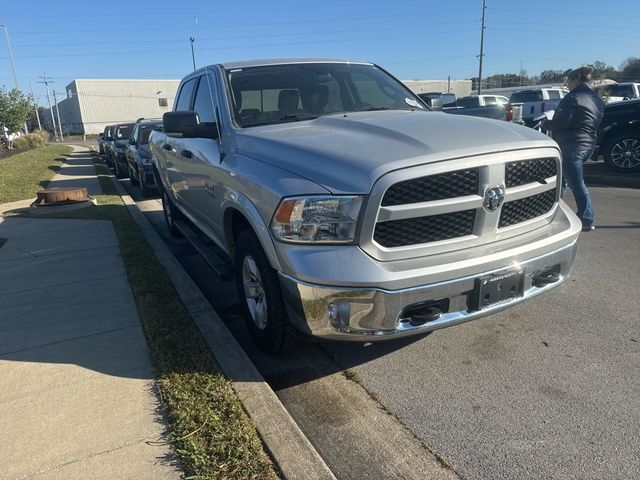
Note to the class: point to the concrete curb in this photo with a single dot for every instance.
(290, 448)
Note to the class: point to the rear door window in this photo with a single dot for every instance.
(489, 100)
(554, 95)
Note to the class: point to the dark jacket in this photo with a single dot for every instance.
(577, 118)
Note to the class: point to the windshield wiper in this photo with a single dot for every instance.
(373, 109)
(298, 116)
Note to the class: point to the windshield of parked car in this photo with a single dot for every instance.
(527, 96)
(123, 132)
(468, 102)
(294, 92)
(145, 132)
(620, 91)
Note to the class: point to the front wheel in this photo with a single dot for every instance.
(145, 190)
(260, 296)
(132, 176)
(622, 153)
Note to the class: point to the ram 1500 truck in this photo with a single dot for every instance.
(353, 212)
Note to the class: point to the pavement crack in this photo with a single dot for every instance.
(76, 250)
(81, 459)
(67, 340)
(75, 282)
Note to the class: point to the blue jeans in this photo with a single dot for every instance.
(572, 176)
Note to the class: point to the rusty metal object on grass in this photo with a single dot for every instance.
(61, 196)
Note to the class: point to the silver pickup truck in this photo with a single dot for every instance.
(353, 212)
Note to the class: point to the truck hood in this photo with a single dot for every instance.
(347, 153)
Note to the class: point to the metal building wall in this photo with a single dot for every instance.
(104, 102)
(461, 88)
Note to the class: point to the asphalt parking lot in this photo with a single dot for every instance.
(547, 389)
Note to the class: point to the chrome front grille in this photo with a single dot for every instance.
(411, 231)
(527, 171)
(411, 213)
(434, 187)
(526, 208)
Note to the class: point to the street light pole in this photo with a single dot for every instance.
(13, 64)
(193, 55)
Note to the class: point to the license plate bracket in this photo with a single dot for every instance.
(498, 288)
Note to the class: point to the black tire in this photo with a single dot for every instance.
(118, 170)
(271, 329)
(132, 176)
(171, 214)
(145, 189)
(622, 152)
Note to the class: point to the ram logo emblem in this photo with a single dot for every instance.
(493, 198)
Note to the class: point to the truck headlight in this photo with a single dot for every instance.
(317, 219)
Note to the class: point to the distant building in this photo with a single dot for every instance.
(461, 88)
(92, 104)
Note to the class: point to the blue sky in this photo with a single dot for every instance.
(412, 39)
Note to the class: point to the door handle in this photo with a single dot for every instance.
(186, 153)
(166, 146)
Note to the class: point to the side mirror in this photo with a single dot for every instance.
(132, 141)
(187, 125)
(101, 136)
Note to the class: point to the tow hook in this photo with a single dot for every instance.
(546, 276)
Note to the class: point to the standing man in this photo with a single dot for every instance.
(575, 125)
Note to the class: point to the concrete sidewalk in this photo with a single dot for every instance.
(76, 383)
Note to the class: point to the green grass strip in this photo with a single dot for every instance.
(212, 434)
(22, 175)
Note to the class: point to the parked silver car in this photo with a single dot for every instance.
(350, 211)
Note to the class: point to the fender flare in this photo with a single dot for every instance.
(237, 202)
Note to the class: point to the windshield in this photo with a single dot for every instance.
(620, 90)
(285, 93)
(145, 132)
(468, 102)
(123, 132)
(527, 96)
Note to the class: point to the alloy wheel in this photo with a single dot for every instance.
(254, 292)
(626, 153)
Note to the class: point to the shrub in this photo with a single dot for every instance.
(36, 139)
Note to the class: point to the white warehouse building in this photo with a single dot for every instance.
(92, 104)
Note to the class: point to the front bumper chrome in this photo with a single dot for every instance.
(368, 314)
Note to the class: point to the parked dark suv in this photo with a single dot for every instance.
(106, 144)
(139, 163)
(121, 134)
(619, 136)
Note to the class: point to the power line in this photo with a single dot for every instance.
(549, 11)
(218, 26)
(314, 42)
(240, 37)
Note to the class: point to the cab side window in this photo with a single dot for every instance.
(184, 98)
(204, 104)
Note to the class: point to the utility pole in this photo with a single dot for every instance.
(55, 102)
(13, 65)
(36, 105)
(193, 55)
(46, 82)
(484, 8)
